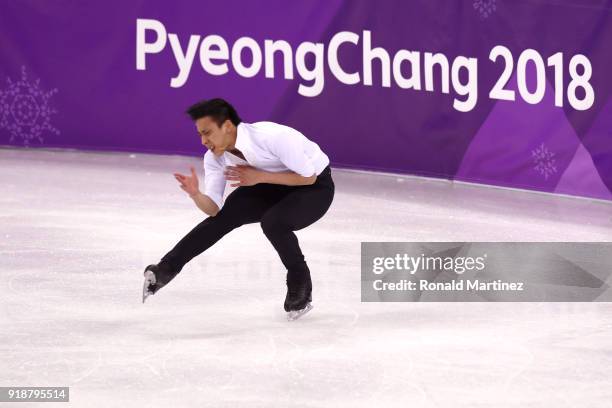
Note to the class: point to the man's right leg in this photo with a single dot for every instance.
(244, 205)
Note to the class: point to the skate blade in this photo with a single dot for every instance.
(296, 314)
(149, 280)
(145, 295)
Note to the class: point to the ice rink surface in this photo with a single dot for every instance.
(78, 229)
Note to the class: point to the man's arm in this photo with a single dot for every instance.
(288, 178)
(191, 186)
(243, 175)
(289, 148)
(205, 203)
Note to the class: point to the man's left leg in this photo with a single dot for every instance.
(298, 209)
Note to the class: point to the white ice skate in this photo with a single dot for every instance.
(149, 279)
(296, 314)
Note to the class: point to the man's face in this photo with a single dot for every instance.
(215, 138)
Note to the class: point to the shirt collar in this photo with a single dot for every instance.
(243, 141)
(242, 136)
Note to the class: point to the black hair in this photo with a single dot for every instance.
(218, 109)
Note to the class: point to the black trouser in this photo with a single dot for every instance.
(280, 209)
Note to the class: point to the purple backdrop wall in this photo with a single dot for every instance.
(69, 78)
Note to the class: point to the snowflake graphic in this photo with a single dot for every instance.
(485, 7)
(25, 110)
(544, 160)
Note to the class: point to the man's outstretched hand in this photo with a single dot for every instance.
(189, 184)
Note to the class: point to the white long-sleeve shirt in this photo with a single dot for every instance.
(267, 146)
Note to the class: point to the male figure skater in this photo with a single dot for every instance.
(284, 182)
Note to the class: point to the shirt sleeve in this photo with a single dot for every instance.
(289, 148)
(214, 179)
